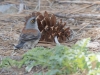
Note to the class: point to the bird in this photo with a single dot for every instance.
(30, 35)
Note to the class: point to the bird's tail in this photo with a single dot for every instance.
(20, 45)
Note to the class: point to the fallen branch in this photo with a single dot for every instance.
(94, 3)
(76, 2)
(93, 16)
(74, 11)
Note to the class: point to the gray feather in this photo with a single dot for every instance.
(30, 25)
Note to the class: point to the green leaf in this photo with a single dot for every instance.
(60, 60)
(29, 67)
(53, 72)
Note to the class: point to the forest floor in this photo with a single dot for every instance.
(82, 17)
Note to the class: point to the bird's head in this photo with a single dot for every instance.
(31, 23)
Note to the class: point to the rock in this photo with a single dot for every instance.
(8, 8)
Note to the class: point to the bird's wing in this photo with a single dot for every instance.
(30, 34)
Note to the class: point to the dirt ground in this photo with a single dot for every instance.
(82, 17)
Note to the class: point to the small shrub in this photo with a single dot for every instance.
(60, 60)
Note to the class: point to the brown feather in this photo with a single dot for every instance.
(30, 31)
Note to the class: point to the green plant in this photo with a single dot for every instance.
(60, 60)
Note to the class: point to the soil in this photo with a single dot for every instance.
(81, 27)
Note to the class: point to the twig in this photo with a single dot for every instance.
(51, 3)
(6, 49)
(71, 12)
(93, 16)
(75, 2)
(38, 6)
(21, 7)
(46, 42)
(12, 57)
(84, 25)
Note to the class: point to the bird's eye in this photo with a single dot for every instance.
(32, 21)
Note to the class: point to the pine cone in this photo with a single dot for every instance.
(50, 27)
